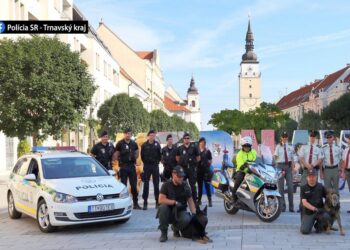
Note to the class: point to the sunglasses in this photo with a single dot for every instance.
(328, 137)
(186, 138)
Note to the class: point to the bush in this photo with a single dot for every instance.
(23, 148)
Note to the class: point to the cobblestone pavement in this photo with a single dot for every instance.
(240, 231)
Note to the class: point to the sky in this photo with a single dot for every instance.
(296, 41)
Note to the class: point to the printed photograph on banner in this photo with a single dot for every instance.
(343, 141)
(300, 136)
(268, 138)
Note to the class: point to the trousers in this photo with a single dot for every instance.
(287, 169)
(129, 172)
(166, 216)
(148, 171)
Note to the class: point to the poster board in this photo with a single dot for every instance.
(268, 138)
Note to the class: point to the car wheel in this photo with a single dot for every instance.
(43, 217)
(13, 213)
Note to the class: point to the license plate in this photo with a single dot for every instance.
(101, 208)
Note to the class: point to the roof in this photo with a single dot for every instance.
(145, 54)
(302, 95)
(126, 75)
(172, 106)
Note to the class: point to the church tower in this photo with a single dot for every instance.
(193, 104)
(249, 76)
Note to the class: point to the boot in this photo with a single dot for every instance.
(210, 203)
(136, 206)
(176, 231)
(199, 202)
(163, 236)
(157, 204)
(144, 206)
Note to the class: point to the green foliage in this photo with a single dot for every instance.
(310, 120)
(337, 115)
(44, 87)
(267, 116)
(122, 111)
(23, 148)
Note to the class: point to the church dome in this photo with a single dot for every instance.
(249, 56)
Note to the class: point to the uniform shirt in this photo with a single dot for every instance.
(204, 165)
(279, 152)
(103, 153)
(169, 156)
(127, 152)
(242, 157)
(316, 153)
(180, 193)
(313, 195)
(150, 153)
(187, 155)
(346, 157)
(336, 151)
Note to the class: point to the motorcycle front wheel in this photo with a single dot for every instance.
(230, 208)
(270, 212)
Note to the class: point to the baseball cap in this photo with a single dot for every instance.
(201, 139)
(127, 130)
(103, 133)
(169, 136)
(151, 132)
(313, 133)
(179, 171)
(329, 133)
(284, 134)
(186, 135)
(311, 172)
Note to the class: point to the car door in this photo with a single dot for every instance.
(33, 187)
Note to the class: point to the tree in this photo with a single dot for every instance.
(160, 121)
(44, 87)
(122, 111)
(337, 115)
(310, 120)
(23, 147)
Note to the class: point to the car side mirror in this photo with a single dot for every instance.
(112, 172)
(30, 177)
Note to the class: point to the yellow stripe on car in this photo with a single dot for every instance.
(26, 208)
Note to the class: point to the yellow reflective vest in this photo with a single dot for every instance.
(242, 157)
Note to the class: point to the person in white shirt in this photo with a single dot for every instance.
(332, 157)
(345, 162)
(284, 157)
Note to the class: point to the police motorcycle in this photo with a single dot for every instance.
(257, 193)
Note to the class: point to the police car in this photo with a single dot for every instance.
(60, 188)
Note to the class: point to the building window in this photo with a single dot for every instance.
(98, 62)
(105, 68)
(115, 78)
(250, 86)
(193, 104)
(250, 95)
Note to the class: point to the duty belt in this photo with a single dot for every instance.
(330, 167)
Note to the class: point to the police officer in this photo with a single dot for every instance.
(168, 157)
(311, 156)
(175, 194)
(150, 156)
(284, 154)
(311, 195)
(204, 174)
(103, 151)
(345, 162)
(332, 157)
(187, 156)
(126, 152)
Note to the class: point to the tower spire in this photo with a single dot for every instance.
(192, 89)
(249, 55)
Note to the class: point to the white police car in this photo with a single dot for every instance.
(65, 188)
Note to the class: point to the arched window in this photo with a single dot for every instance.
(250, 95)
(193, 104)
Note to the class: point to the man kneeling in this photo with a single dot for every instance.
(313, 214)
(174, 196)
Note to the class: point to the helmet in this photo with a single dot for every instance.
(247, 140)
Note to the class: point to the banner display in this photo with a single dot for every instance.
(343, 141)
(251, 133)
(300, 136)
(268, 138)
(217, 142)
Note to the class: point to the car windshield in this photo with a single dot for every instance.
(72, 167)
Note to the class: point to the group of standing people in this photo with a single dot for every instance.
(195, 161)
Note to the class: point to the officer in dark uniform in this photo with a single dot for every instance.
(150, 156)
(174, 196)
(103, 151)
(204, 173)
(312, 195)
(187, 156)
(126, 152)
(168, 157)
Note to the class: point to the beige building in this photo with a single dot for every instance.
(317, 95)
(249, 76)
(143, 67)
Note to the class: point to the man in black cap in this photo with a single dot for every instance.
(187, 156)
(126, 152)
(175, 195)
(150, 156)
(332, 157)
(284, 154)
(103, 151)
(312, 195)
(168, 157)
